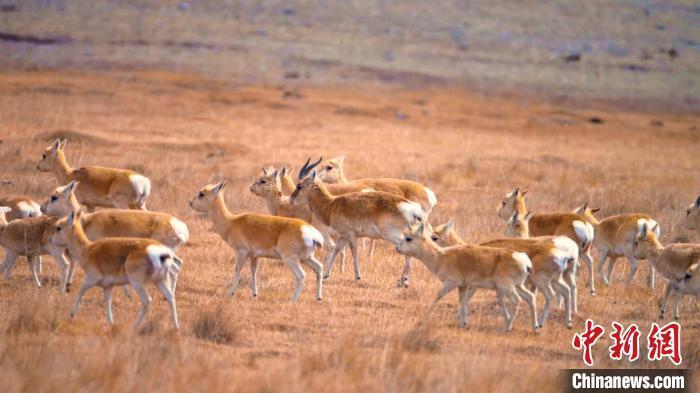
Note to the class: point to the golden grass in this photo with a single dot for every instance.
(184, 132)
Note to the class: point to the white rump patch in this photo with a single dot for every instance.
(650, 224)
(564, 251)
(311, 235)
(29, 209)
(180, 229)
(523, 259)
(432, 199)
(367, 190)
(141, 184)
(155, 252)
(410, 211)
(584, 231)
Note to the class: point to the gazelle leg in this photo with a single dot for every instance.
(446, 288)
(338, 246)
(652, 277)
(87, 284)
(611, 266)
(529, 298)
(107, 293)
(563, 290)
(170, 297)
(240, 262)
(586, 256)
(355, 258)
(33, 268)
(317, 267)
(570, 280)
(63, 267)
(299, 276)
(602, 256)
(145, 302)
(403, 282)
(501, 300)
(254, 276)
(465, 293)
(633, 269)
(676, 303)
(39, 266)
(549, 295)
(664, 301)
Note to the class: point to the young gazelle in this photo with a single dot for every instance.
(376, 215)
(262, 236)
(110, 262)
(677, 262)
(692, 216)
(571, 225)
(99, 187)
(29, 237)
(468, 268)
(269, 187)
(551, 256)
(413, 191)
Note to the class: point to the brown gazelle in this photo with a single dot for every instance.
(376, 215)
(677, 262)
(551, 256)
(22, 206)
(262, 236)
(468, 268)
(269, 187)
(99, 186)
(112, 262)
(614, 238)
(333, 172)
(29, 237)
(692, 216)
(571, 225)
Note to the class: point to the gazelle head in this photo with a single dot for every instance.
(52, 155)
(587, 212)
(268, 183)
(510, 203)
(646, 240)
(207, 196)
(413, 240)
(307, 178)
(691, 214)
(518, 226)
(66, 229)
(62, 201)
(333, 170)
(444, 234)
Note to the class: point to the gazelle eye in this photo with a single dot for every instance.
(262, 181)
(43, 156)
(408, 239)
(329, 167)
(201, 195)
(435, 238)
(636, 243)
(503, 203)
(298, 186)
(54, 198)
(58, 229)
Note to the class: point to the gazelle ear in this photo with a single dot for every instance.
(527, 216)
(340, 160)
(594, 210)
(450, 226)
(420, 229)
(70, 187)
(63, 144)
(56, 145)
(516, 192)
(283, 171)
(219, 187)
(513, 219)
(5, 209)
(313, 175)
(275, 174)
(643, 231)
(524, 191)
(71, 219)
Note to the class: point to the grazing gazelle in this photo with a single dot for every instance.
(29, 237)
(332, 172)
(22, 206)
(677, 262)
(376, 215)
(692, 216)
(553, 262)
(572, 225)
(99, 186)
(468, 268)
(110, 262)
(262, 236)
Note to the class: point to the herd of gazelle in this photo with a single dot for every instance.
(125, 244)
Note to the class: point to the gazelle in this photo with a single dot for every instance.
(692, 216)
(258, 235)
(677, 262)
(552, 257)
(468, 268)
(571, 225)
(29, 237)
(111, 262)
(22, 206)
(269, 187)
(333, 173)
(99, 187)
(376, 215)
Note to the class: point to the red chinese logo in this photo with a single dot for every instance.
(626, 342)
(584, 341)
(665, 342)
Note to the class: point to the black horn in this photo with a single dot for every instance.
(308, 167)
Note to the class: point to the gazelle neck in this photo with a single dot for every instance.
(61, 169)
(219, 214)
(78, 241)
(319, 200)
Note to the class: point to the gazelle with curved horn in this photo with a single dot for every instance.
(111, 262)
(262, 236)
(99, 186)
(574, 226)
(333, 173)
(376, 215)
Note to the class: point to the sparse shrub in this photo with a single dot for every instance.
(211, 324)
